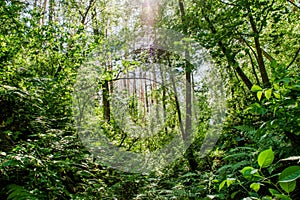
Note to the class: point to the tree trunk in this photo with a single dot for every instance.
(105, 101)
(105, 83)
(176, 99)
(44, 12)
(146, 95)
(253, 68)
(260, 61)
(155, 101)
(51, 11)
(163, 97)
(188, 121)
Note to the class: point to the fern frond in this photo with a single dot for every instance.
(239, 165)
(243, 149)
(237, 155)
(246, 129)
(17, 192)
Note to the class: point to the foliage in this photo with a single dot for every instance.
(253, 44)
(256, 179)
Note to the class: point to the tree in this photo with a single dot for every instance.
(188, 72)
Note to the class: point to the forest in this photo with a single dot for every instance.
(149, 99)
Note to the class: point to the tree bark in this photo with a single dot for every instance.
(51, 11)
(163, 97)
(44, 12)
(253, 68)
(176, 99)
(260, 61)
(105, 101)
(188, 122)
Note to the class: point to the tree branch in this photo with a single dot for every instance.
(91, 3)
(293, 4)
(230, 59)
(253, 68)
(260, 60)
(296, 54)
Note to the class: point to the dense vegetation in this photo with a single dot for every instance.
(251, 47)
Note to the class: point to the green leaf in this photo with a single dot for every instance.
(234, 194)
(10, 163)
(257, 109)
(277, 95)
(288, 186)
(265, 158)
(273, 192)
(289, 174)
(273, 64)
(230, 181)
(256, 88)
(282, 197)
(125, 63)
(266, 198)
(249, 172)
(268, 93)
(286, 80)
(259, 94)
(222, 184)
(255, 186)
(276, 86)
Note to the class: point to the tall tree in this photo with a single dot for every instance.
(188, 95)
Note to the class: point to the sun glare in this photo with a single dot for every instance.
(149, 12)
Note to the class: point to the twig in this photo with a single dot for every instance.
(293, 4)
(293, 58)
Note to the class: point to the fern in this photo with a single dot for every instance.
(240, 153)
(246, 129)
(237, 155)
(243, 149)
(224, 169)
(17, 192)
(239, 165)
(237, 158)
